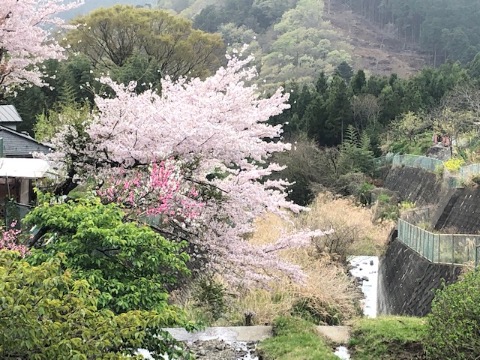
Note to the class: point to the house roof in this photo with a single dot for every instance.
(8, 114)
(24, 168)
(17, 144)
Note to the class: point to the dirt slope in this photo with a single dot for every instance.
(374, 49)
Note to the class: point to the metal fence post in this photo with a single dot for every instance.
(453, 250)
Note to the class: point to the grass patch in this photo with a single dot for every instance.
(390, 337)
(295, 339)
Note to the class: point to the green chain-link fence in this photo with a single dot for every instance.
(440, 248)
(430, 164)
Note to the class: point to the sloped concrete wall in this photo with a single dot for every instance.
(462, 213)
(416, 185)
(407, 281)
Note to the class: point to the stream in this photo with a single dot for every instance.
(365, 269)
(223, 343)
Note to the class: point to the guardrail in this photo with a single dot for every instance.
(458, 249)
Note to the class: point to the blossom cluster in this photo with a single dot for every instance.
(9, 240)
(25, 39)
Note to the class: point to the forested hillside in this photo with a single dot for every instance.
(446, 29)
(290, 39)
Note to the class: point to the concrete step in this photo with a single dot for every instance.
(335, 334)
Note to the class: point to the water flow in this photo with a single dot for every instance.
(365, 269)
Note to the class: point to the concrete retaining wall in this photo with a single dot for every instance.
(462, 213)
(413, 184)
(407, 281)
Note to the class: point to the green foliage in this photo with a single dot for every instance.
(295, 339)
(117, 36)
(386, 208)
(355, 154)
(210, 296)
(46, 314)
(364, 193)
(454, 164)
(390, 337)
(131, 265)
(50, 123)
(407, 205)
(453, 327)
(439, 170)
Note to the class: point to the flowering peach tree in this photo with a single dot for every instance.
(9, 240)
(195, 159)
(25, 39)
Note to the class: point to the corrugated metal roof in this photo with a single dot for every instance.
(23, 168)
(8, 114)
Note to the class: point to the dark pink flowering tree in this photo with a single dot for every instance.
(25, 40)
(196, 157)
(9, 240)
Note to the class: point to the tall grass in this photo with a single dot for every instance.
(355, 233)
(328, 295)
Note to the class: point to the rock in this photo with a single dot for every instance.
(221, 350)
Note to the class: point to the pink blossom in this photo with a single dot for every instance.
(9, 240)
(24, 40)
(196, 156)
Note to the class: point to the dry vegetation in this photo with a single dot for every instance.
(355, 233)
(328, 295)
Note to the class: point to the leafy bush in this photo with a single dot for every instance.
(407, 205)
(386, 208)
(454, 164)
(364, 194)
(210, 295)
(439, 170)
(453, 324)
(131, 265)
(46, 314)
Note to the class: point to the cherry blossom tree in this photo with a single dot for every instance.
(196, 156)
(25, 39)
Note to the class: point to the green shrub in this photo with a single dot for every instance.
(439, 170)
(45, 313)
(132, 266)
(364, 194)
(210, 296)
(453, 324)
(407, 205)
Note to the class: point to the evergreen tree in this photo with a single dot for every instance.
(359, 82)
(339, 112)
